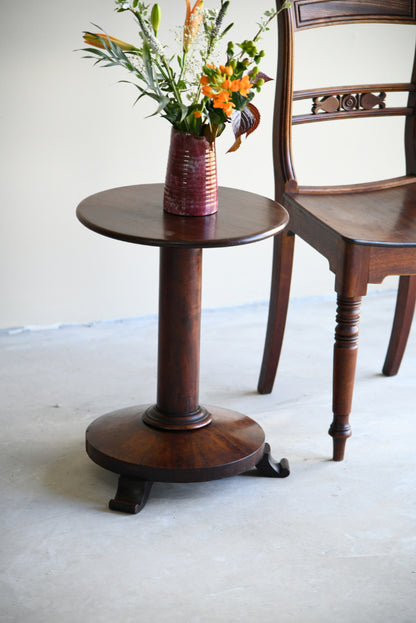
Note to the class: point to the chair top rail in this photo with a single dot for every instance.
(317, 13)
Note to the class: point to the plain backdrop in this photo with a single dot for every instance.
(68, 130)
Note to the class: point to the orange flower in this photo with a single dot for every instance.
(245, 86)
(226, 69)
(197, 114)
(92, 38)
(207, 91)
(223, 97)
(219, 87)
(228, 109)
(222, 100)
(193, 21)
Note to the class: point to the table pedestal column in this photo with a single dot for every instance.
(177, 406)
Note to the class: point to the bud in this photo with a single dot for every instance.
(193, 21)
(155, 17)
(99, 40)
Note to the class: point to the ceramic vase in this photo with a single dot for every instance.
(191, 183)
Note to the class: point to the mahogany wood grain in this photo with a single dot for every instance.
(353, 114)
(281, 279)
(317, 13)
(379, 217)
(345, 360)
(177, 404)
(389, 87)
(242, 218)
(366, 231)
(358, 188)
(121, 442)
(405, 307)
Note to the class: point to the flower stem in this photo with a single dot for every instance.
(285, 5)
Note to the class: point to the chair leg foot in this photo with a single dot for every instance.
(340, 434)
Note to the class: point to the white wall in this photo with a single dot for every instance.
(68, 130)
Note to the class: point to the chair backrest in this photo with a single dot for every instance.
(338, 102)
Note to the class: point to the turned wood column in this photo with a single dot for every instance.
(177, 406)
(345, 359)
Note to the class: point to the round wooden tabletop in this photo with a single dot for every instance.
(135, 214)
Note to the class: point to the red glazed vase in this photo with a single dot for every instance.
(191, 184)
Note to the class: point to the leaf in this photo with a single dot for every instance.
(162, 103)
(147, 59)
(256, 114)
(235, 145)
(244, 122)
(184, 111)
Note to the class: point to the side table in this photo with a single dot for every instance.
(177, 439)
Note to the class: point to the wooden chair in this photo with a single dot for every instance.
(366, 231)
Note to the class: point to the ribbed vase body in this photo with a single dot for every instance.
(191, 184)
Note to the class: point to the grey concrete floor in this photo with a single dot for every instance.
(333, 542)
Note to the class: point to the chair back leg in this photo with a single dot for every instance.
(279, 300)
(403, 316)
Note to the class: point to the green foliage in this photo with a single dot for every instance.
(167, 80)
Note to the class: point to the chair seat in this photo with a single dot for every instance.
(379, 217)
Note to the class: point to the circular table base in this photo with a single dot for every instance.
(121, 442)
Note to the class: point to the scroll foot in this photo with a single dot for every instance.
(131, 496)
(267, 466)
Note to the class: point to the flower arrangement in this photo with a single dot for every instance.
(194, 92)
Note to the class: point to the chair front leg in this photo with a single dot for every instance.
(403, 317)
(279, 300)
(345, 359)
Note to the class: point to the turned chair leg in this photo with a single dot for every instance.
(345, 359)
(279, 300)
(403, 316)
